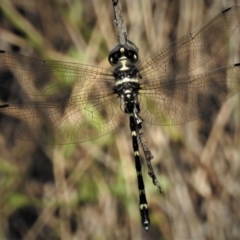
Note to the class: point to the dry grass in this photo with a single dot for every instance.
(94, 191)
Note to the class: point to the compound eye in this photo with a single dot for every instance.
(117, 55)
(114, 57)
(132, 56)
(135, 57)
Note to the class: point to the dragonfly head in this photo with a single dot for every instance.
(130, 52)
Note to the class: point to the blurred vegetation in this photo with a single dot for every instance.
(89, 190)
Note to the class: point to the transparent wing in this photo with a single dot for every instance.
(55, 102)
(193, 50)
(176, 100)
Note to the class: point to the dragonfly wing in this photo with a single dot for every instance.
(40, 78)
(59, 103)
(175, 100)
(193, 50)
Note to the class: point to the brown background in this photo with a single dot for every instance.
(89, 190)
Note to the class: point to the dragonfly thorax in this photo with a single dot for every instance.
(127, 86)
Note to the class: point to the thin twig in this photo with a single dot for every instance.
(147, 153)
(119, 23)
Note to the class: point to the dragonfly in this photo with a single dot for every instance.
(54, 102)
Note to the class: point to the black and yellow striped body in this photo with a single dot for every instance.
(127, 86)
(142, 196)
